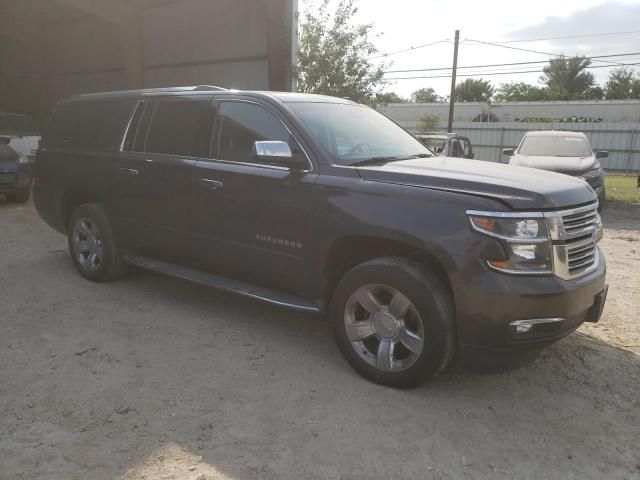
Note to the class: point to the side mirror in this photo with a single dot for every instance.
(602, 154)
(275, 152)
(508, 151)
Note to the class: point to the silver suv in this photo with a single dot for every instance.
(563, 152)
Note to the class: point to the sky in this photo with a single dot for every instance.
(409, 23)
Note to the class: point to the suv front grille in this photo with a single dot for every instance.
(6, 178)
(581, 255)
(574, 234)
(577, 224)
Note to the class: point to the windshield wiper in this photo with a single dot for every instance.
(374, 160)
(381, 159)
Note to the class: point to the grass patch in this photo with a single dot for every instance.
(622, 188)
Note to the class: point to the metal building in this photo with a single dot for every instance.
(51, 49)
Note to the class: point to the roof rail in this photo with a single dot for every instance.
(207, 87)
(195, 88)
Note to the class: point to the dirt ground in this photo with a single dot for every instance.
(155, 378)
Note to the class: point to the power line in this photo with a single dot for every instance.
(481, 74)
(586, 35)
(534, 51)
(410, 49)
(503, 43)
(503, 64)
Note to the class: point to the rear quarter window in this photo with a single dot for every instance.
(88, 125)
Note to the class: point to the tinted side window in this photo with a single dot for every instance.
(137, 133)
(181, 127)
(89, 125)
(241, 124)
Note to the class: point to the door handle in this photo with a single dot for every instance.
(129, 171)
(212, 184)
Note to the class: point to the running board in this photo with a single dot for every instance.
(225, 284)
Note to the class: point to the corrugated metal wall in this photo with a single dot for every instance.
(622, 140)
(607, 110)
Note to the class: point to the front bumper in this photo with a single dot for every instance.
(496, 304)
(14, 182)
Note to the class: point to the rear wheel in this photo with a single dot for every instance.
(393, 321)
(92, 244)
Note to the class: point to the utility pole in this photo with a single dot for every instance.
(453, 81)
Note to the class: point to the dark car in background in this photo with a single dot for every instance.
(19, 139)
(447, 144)
(563, 152)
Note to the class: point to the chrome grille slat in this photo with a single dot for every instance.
(574, 235)
(573, 226)
(573, 261)
(580, 265)
(575, 254)
(578, 216)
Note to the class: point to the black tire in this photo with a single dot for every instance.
(21, 197)
(111, 264)
(432, 301)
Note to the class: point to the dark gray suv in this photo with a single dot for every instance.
(323, 205)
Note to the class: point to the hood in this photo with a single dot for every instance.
(519, 187)
(567, 165)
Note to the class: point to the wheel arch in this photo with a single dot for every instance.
(349, 251)
(71, 200)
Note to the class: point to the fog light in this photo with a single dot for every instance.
(522, 327)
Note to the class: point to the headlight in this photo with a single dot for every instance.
(510, 228)
(525, 239)
(595, 173)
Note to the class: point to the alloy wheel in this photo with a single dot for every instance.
(87, 244)
(384, 327)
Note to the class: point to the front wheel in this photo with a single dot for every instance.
(92, 244)
(393, 321)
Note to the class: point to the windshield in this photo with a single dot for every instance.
(555, 146)
(435, 144)
(353, 133)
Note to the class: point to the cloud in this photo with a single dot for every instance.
(608, 17)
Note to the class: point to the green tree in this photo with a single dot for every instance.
(566, 78)
(622, 84)
(389, 97)
(426, 95)
(520, 92)
(593, 93)
(472, 90)
(334, 53)
(429, 122)
(635, 89)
